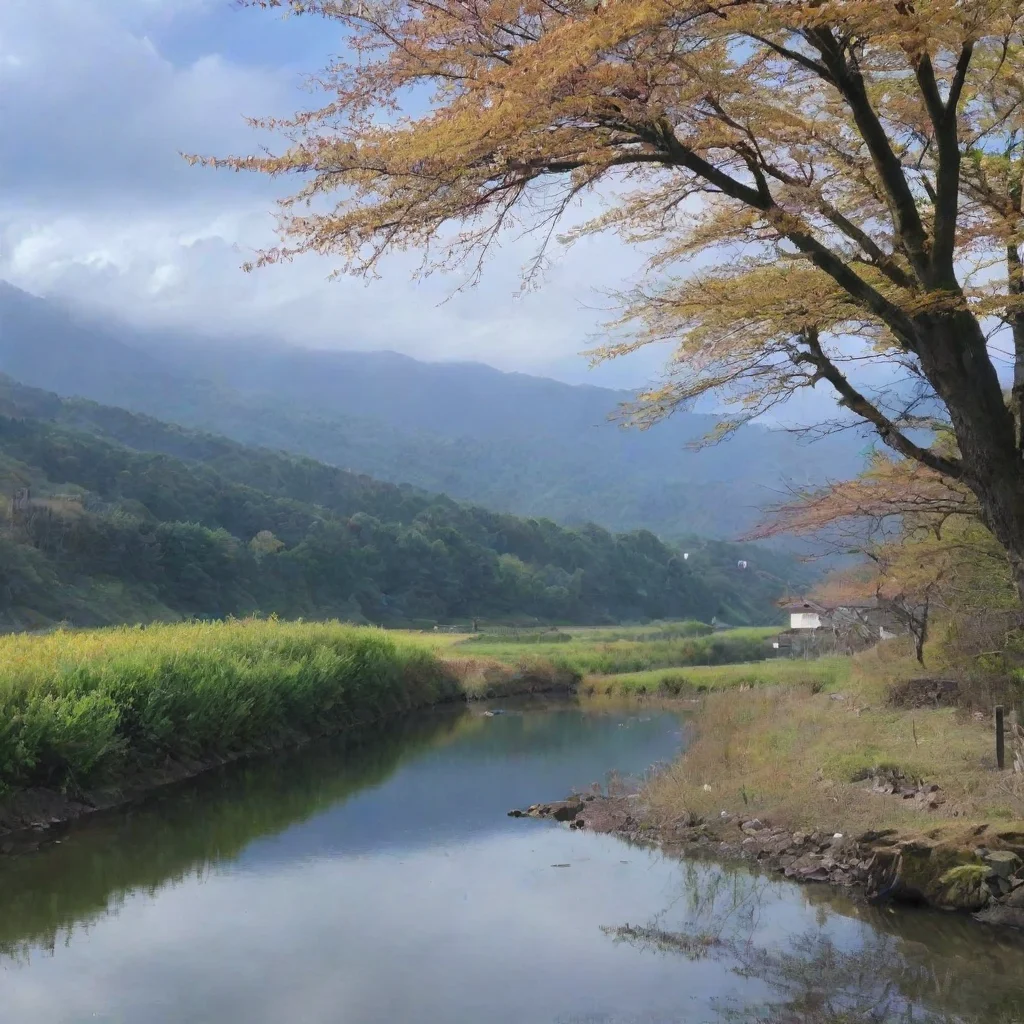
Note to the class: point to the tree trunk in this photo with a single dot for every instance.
(1004, 516)
(921, 633)
(957, 365)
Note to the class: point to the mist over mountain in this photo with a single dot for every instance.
(508, 441)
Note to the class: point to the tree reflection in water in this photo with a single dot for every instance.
(902, 966)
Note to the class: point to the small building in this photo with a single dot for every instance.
(805, 614)
(816, 628)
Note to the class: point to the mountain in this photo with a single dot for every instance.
(130, 519)
(508, 441)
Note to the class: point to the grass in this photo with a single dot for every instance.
(79, 707)
(790, 752)
(825, 673)
(592, 652)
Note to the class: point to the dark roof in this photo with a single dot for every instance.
(801, 605)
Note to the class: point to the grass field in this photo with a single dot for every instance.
(87, 705)
(792, 752)
(610, 652)
(826, 673)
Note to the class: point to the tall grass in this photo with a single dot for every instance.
(819, 674)
(795, 753)
(598, 656)
(77, 707)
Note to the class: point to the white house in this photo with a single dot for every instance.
(805, 615)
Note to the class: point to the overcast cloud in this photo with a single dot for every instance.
(96, 205)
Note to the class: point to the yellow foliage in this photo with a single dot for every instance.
(849, 170)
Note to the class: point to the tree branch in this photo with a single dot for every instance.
(853, 400)
(850, 83)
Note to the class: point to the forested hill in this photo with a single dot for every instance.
(508, 441)
(133, 519)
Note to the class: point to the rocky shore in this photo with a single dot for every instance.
(980, 871)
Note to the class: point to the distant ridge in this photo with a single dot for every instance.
(508, 441)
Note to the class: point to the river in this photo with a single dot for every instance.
(385, 883)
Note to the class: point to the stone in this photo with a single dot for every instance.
(515, 813)
(1001, 885)
(1002, 916)
(1015, 899)
(753, 825)
(804, 866)
(883, 836)
(778, 845)
(1002, 863)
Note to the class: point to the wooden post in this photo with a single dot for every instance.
(1000, 749)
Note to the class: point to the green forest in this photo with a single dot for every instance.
(129, 519)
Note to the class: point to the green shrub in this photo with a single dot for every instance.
(77, 706)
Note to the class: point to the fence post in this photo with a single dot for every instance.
(1000, 748)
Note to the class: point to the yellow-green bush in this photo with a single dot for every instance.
(75, 706)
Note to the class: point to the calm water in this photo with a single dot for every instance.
(386, 884)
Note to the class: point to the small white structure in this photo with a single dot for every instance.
(805, 615)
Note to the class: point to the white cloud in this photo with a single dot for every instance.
(97, 206)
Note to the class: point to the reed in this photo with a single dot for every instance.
(78, 707)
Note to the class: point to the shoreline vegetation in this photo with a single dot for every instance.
(901, 767)
(90, 719)
(860, 772)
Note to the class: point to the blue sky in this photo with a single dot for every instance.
(97, 207)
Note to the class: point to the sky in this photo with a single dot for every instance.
(97, 207)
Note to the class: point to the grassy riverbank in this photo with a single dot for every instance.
(608, 652)
(696, 680)
(800, 748)
(87, 707)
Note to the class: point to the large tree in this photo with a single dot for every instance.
(826, 184)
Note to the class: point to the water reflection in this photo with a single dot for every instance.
(385, 883)
(856, 964)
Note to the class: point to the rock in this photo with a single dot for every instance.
(1000, 885)
(566, 811)
(1015, 899)
(883, 836)
(1002, 863)
(1002, 916)
(515, 813)
(807, 868)
(778, 845)
(754, 825)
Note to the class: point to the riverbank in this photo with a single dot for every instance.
(92, 719)
(855, 772)
(976, 869)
